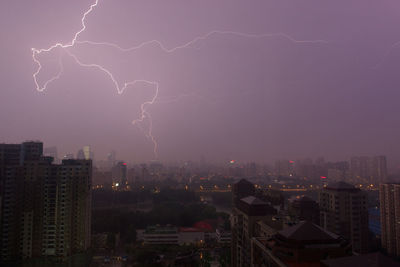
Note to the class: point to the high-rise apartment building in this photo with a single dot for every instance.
(242, 189)
(368, 169)
(284, 167)
(360, 169)
(111, 158)
(380, 169)
(245, 215)
(389, 196)
(119, 175)
(343, 210)
(45, 208)
(85, 153)
(16, 191)
(304, 209)
(247, 211)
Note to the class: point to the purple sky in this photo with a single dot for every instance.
(235, 97)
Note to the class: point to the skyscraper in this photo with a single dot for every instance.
(80, 154)
(111, 158)
(51, 152)
(380, 169)
(284, 167)
(304, 209)
(389, 195)
(17, 202)
(119, 175)
(45, 207)
(242, 189)
(343, 210)
(360, 170)
(369, 169)
(85, 153)
(245, 215)
(247, 211)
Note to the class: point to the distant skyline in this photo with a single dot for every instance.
(258, 95)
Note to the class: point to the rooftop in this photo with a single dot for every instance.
(157, 229)
(190, 229)
(251, 200)
(307, 231)
(371, 260)
(244, 182)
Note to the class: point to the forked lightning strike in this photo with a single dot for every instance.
(120, 89)
(144, 114)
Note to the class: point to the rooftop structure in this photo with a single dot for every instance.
(371, 260)
(304, 244)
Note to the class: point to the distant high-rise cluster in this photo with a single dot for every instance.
(371, 170)
(45, 207)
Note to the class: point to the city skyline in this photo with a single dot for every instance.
(324, 210)
(112, 155)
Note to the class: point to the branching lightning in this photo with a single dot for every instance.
(120, 89)
(144, 114)
(200, 38)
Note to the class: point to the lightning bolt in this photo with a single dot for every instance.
(203, 37)
(144, 114)
(120, 89)
(36, 52)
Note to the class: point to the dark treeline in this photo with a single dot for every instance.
(223, 199)
(107, 197)
(176, 207)
(114, 220)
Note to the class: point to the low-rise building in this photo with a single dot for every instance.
(170, 235)
(159, 235)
